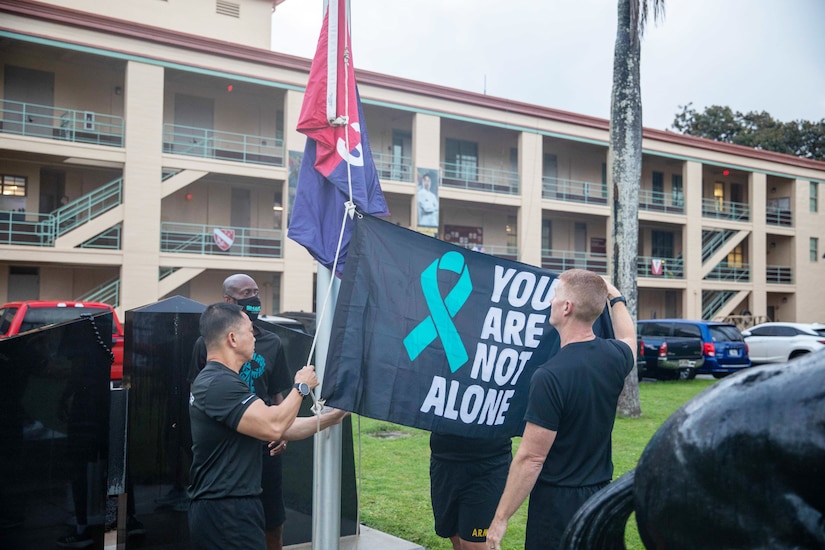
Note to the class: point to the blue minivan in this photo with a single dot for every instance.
(723, 346)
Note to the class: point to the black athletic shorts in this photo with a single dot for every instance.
(272, 496)
(551, 509)
(465, 495)
(235, 523)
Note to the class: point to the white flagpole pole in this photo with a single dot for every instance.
(326, 507)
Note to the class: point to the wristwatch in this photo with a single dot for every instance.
(618, 299)
(302, 388)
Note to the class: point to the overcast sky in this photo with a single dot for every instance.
(745, 54)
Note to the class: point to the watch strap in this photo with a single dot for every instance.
(618, 299)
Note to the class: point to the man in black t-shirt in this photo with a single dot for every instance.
(565, 453)
(229, 422)
(267, 375)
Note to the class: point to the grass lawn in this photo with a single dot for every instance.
(394, 472)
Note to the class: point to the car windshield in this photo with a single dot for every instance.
(37, 317)
(653, 329)
(725, 333)
(820, 331)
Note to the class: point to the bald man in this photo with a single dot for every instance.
(267, 376)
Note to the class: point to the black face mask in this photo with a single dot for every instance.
(251, 306)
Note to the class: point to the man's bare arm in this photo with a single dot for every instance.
(623, 326)
(306, 426)
(270, 423)
(524, 471)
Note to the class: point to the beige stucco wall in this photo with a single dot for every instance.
(252, 28)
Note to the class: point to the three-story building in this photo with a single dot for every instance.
(170, 127)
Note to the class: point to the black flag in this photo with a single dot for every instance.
(430, 335)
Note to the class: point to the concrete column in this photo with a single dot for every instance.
(692, 240)
(758, 247)
(806, 307)
(297, 289)
(530, 155)
(426, 141)
(143, 110)
(426, 153)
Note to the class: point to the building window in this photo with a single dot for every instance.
(661, 245)
(279, 125)
(12, 186)
(677, 196)
(814, 246)
(814, 200)
(658, 188)
(604, 180)
(546, 234)
(736, 258)
(512, 232)
(462, 159)
(719, 196)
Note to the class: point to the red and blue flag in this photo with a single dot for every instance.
(337, 148)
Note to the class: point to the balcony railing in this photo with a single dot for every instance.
(779, 274)
(726, 210)
(192, 238)
(88, 206)
(657, 201)
(562, 260)
(573, 191)
(713, 301)
(26, 228)
(777, 216)
(476, 178)
(31, 119)
(725, 272)
(713, 240)
(216, 144)
(108, 293)
(391, 167)
(661, 268)
(108, 240)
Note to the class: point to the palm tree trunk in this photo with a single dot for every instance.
(625, 160)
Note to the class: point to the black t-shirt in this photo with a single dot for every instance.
(462, 449)
(225, 463)
(266, 374)
(575, 394)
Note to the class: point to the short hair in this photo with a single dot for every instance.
(587, 290)
(218, 320)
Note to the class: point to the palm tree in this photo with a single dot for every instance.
(625, 161)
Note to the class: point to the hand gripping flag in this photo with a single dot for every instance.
(431, 335)
(337, 148)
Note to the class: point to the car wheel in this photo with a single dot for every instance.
(719, 375)
(687, 374)
(798, 353)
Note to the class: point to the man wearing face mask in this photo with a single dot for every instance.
(267, 375)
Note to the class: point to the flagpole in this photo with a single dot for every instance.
(326, 507)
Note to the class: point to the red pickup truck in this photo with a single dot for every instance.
(17, 317)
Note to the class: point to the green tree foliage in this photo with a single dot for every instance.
(801, 138)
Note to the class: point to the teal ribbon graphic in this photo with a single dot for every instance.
(439, 323)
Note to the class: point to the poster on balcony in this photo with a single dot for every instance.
(657, 266)
(434, 336)
(427, 199)
(224, 238)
